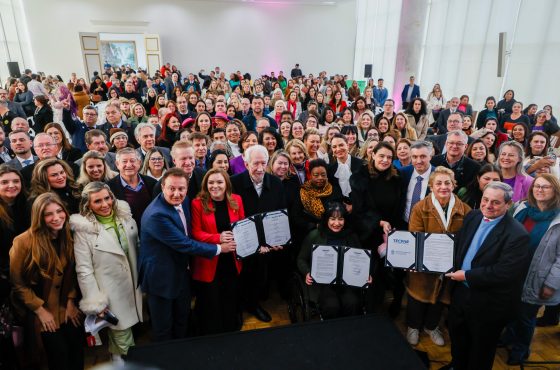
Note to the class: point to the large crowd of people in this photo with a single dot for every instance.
(118, 193)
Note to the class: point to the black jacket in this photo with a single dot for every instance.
(465, 171)
(498, 269)
(271, 199)
(126, 126)
(41, 118)
(373, 200)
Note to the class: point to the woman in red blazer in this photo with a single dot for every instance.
(337, 104)
(217, 301)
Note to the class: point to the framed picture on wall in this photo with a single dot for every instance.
(118, 53)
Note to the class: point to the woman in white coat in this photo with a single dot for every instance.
(105, 248)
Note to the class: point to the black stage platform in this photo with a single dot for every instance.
(361, 342)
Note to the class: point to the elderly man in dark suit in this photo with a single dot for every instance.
(114, 119)
(145, 134)
(165, 249)
(261, 192)
(491, 262)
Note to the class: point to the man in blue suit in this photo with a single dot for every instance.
(165, 249)
(409, 92)
(415, 177)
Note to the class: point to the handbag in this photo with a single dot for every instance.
(95, 98)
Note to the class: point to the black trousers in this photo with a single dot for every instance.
(422, 315)
(217, 302)
(339, 301)
(254, 280)
(64, 347)
(474, 337)
(170, 316)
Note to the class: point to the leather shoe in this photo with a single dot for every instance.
(261, 314)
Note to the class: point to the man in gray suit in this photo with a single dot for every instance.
(96, 140)
(145, 134)
(20, 142)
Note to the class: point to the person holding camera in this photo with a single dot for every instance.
(105, 245)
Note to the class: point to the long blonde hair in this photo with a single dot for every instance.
(43, 256)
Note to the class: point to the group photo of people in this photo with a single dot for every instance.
(118, 193)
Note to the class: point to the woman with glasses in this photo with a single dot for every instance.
(540, 214)
(154, 164)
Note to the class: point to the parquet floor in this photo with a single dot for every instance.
(546, 343)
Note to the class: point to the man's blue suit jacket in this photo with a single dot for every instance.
(165, 250)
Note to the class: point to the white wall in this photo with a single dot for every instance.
(256, 38)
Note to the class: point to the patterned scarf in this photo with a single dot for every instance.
(311, 198)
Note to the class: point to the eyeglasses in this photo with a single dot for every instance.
(156, 159)
(542, 187)
(41, 146)
(457, 144)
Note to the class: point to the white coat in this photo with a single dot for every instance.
(105, 275)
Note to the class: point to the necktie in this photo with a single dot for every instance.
(27, 162)
(486, 219)
(416, 192)
(183, 219)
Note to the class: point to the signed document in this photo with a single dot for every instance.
(276, 227)
(355, 271)
(401, 250)
(246, 237)
(438, 253)
(324, 264)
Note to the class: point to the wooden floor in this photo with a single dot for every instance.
(545, 347)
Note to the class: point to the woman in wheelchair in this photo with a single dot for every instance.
(333, 301)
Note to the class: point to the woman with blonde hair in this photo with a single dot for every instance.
(402, 125)
(137, 114)
(105, 245)
(299, 157)
(42, 271)
(439, 212)
(365, 122)
(94, 168)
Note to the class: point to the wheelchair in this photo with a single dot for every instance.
(303, 303)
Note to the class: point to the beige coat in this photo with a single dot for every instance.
(106, 276)
(428, 287)
(420, 127)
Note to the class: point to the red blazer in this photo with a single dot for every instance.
(204, 230)
(340, 107)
